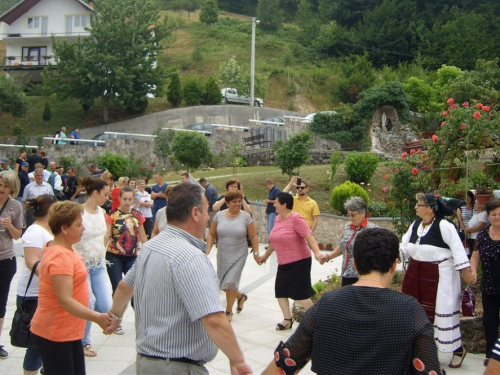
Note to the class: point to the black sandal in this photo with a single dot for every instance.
(244, 297)
(281, 327)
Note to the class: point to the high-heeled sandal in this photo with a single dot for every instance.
(281, 327)
(461, 355)
(229, 315)
(242, 300)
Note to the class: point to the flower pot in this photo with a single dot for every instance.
(496, 178)
(320, 245)
(453, 179)
(482, 199)
(329, 247)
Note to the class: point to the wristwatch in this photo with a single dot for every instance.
(115, 317)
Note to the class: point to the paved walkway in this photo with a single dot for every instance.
(254, 327)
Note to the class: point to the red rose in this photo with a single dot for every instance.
(477, 115)
(453, 106)
(434, 138)
(486, 108)
(465, 104)
(384, 190)
(462, 126)
(479, 105)
(412, 151)
(449, 101)
(386, 177)
(414, 171)
(445, 113)
(419, 151)
(404, 155)
(443, 124)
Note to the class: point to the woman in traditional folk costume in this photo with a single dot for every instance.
(432, 278)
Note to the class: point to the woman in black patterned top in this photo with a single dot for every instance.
(487, 251)
(364, 328)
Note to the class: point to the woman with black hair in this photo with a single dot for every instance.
(363, 328)
(432, 278)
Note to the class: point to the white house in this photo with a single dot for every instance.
(27, 28)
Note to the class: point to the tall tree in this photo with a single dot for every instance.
(270, 15)
(162, 143)
(209, 12)
(191, 149)
(12, 99)
(174, 92)
(293, 154)
(116, 64)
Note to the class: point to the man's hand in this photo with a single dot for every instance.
(240, 369)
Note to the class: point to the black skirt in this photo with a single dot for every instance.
(293, 280)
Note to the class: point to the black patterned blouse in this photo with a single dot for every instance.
(362, 330)
(489, 251)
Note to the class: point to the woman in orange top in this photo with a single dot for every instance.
(59, 322)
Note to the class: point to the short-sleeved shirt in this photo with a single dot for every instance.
(24, 181)
(51, 321)
(124, 231)
(273, 192)
(211, 195)
(33, 190)
(63, 137)
(33, 159)
(288, 239)
(175, 285)
(35, 236)
(14, 211)
(307, 208)
(159, 202)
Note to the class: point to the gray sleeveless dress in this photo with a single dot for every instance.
(232, 248)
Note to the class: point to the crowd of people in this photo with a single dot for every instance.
(149, 246)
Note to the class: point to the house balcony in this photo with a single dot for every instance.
(11, 63)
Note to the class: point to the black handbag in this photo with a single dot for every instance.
(20, 334)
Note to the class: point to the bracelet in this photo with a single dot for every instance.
(115, 317)
(254, 254)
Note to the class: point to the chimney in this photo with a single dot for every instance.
(90, 3)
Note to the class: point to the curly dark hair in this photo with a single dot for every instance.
(375, 249)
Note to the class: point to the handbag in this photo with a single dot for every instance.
(468, 302)
(20, 334)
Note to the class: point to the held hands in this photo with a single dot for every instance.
(241, 368)
(470, 277)
(113, 325)
(322, 258)
(104, 320)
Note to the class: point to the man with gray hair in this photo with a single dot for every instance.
(33, 190)
(180, 321)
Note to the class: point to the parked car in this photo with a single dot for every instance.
(104, 137)
(310, 116)
(204, 127)
(277, 119)
(230, 95)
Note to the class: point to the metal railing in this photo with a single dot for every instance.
(261, 122)
(21, 61)
(77, 141)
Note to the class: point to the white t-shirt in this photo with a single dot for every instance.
(474, 221)
(91, 246)
(161, 218)
(143, 198)
(35, 236)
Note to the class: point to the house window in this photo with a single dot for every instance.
(75, 22)
(34, 54)
(33, 22)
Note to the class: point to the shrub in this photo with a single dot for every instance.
(211, 93)
(67, 161)
(344, 192)
(334, 164)
(319, 287)
(174, 92)
(192, 91)
(337, 126)
(116, 164)
(360, 167)
(378, 209)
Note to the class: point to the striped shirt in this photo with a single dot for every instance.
(174, 286)
(495, 352)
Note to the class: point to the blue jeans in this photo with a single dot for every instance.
(270, 221)
(100, 295)
(118, 266)
(32, 358)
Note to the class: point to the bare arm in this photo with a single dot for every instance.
(267, 254)
(14, 232)
(291, 184)
(493, 367)
(314, 224)
(122, 296)
(460, 219)
(313, 244)
(31, 256)
(217, 205)
(222, 334)
(477, 228)
(63, 288)
(246, 207)
(254, 238)
(142, 235)
(212, 235)
(156, 230)
(107, 236)
(475, 259)
(335, 253)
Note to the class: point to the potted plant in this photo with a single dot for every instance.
(329, 246)
(47, 57)
(320, 245)
(493, 169)
(455, 172)
(483, 185)
(11, 58)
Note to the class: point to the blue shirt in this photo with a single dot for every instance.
(272, 196)
(159, 202)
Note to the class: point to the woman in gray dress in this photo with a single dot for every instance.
(230, 229)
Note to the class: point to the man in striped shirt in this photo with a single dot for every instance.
(179, 317)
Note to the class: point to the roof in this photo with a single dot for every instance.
(24, 6)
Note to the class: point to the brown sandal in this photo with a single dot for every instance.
(241, 302)
(229, 316)
(461, 355)
(88, 351)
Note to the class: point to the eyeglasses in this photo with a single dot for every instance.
(421, 205)
(301, 187)
(353, 215)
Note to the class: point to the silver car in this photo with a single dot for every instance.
(230, 95)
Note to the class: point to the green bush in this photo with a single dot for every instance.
(211, 93)
(192, 91)
(319, 287)
(344, 192)
(174, 91)
(378, 209)
(116, 164)
(360, 167)
(67, 161)
(240, 161)
(337, 126)
(335, 160)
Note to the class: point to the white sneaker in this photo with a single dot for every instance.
(119, 331)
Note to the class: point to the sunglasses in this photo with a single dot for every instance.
(301, 187)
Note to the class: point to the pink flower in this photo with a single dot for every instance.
(465, 104)
(479, 105)
(404, 155)
(486, 108)
(445, 113)
(384, 190)
(434, 138)
(477, 115)
(462, 126)
(450, 101)
(443, 124)
(453, 106)
(419, 151)
(414, 171)
(412, 151)
(386, 177)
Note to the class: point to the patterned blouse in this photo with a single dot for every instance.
(489, 252)
(347, 246)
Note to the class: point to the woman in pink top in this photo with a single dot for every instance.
(293, 240)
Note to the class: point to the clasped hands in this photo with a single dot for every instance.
(107, 323)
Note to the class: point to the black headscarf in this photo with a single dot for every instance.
(443, 206)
